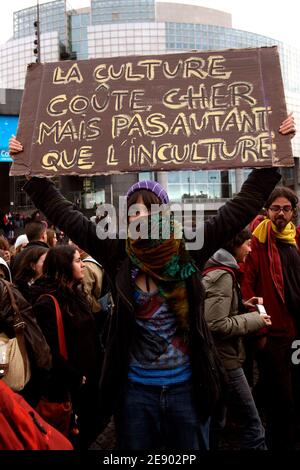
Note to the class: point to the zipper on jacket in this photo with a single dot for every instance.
(124, 297)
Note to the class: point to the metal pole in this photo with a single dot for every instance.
(38, 31)
(12, 195)
(111, 194)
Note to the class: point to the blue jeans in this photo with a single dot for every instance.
(241, 401)
(160, 417)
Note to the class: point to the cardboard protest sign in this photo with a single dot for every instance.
(197, 110)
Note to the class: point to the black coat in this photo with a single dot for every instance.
(231, 219)
(82, 341)
(84, 352)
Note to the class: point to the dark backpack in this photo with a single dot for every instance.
(106, 302)
(22, 428)
(13, 304)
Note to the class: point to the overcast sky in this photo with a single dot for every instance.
(279, 20)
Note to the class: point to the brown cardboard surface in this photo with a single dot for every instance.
(197, 110)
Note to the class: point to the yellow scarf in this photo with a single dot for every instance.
(288, 235)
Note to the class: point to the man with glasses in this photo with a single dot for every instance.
(272, 271)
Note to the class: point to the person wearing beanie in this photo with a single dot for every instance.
(151, 186)
(161, 376)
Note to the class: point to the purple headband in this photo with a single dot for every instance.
(152, 186)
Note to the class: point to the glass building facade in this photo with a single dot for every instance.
(119, 11)
(77, 28)
(202, 185)
(185, 36)
(16, 54)
(112, 40)
(52, 17)
(111, 28)
(148, 37)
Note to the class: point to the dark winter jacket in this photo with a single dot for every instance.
(83, 349)
(82, 342)
(232, 218)
(259, 278)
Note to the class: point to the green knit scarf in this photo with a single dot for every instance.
(165, 258)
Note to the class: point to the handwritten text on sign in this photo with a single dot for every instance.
(177, 111)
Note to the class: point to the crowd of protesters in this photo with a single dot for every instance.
(13, 223)
(171, 363)
(45, 272)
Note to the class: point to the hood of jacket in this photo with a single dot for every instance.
(6, 269)
(224, 258)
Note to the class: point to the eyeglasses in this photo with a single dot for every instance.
(285, 209)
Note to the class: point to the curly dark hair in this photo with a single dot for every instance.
(25, 271)
(237, 241)
(281, 191)
(58, 264)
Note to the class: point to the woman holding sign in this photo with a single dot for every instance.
(161, 376)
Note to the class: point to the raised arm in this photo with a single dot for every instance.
(79, 228)
(236, 213)
(239, 211)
